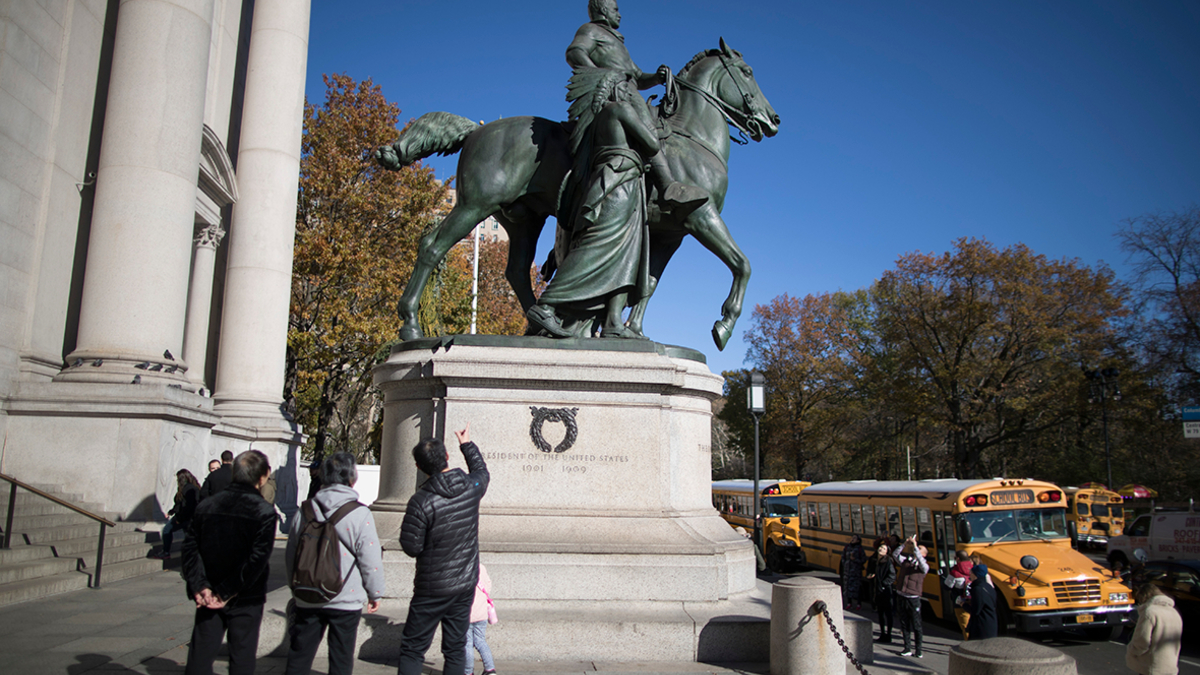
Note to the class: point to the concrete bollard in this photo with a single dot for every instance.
(1008, 656)
(801, 642)
(859, 636)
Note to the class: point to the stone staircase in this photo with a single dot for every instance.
(53, 548)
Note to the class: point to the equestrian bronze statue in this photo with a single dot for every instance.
(603, 175)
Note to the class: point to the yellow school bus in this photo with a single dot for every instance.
(1097, 515)
(1018, 528)
(733, 499)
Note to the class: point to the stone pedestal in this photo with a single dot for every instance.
(600, 470)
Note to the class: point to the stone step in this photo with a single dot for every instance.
(124, 570)
(35, 505)
(32, 589)
(25, 523)
(23, 553)
(33, 569)
(84, 547)
(47, 535)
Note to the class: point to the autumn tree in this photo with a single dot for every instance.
(1164, 249)
(991, 343)
(446, 304)
(357, 227)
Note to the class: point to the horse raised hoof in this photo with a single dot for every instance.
(721, 333)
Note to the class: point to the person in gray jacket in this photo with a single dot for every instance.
(362, 568)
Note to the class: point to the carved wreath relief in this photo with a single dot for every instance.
(543, 415)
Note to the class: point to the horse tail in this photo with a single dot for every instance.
(436, 132)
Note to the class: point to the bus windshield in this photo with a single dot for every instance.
(779, 506)
(993, 526)
(1100, 510)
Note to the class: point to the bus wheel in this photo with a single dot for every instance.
(774, 559)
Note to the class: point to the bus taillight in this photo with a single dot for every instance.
(976, 500)
(1050, 496)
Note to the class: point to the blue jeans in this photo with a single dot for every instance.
(477, 640)
(168, 534)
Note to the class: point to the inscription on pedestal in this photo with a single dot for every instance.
(540, 462)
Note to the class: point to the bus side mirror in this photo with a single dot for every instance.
(1140, 554)
(785, 521)
(1029, 562)
(964, 531)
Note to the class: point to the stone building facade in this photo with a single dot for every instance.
(149, 159)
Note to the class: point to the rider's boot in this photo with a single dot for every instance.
(673, 196)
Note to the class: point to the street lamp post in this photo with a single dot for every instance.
(1102, 384)
(756, 400)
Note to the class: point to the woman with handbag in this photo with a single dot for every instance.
(483, 612)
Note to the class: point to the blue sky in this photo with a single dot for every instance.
(905, 125)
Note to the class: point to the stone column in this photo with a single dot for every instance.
(254, 321)
(136, 281)
(195, 337)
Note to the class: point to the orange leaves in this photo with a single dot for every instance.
(357, 227)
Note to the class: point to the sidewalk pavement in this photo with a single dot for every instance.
(143, 625)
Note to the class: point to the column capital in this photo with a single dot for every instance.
(210, 236)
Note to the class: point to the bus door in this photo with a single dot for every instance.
(943, 525)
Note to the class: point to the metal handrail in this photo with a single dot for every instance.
(12, 507)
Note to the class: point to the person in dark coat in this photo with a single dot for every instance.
(226, 563)
(220, 479)
(314, 479)
(441, 530)
(885, 579)
(187, 496)
(983, 623)
(853, 559)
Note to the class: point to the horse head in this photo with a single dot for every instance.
(724, 76)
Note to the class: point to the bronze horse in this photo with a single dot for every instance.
(513, 168)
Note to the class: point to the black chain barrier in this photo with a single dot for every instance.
(819, 607)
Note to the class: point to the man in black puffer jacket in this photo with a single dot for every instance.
(225, 565)
(441, 530)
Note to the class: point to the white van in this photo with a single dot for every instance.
(1163, 535)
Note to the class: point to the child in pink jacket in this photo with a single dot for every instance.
(477, 632)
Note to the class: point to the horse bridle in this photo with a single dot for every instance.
(749, 125)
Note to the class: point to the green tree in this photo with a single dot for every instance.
(991, 342)
(357, 227)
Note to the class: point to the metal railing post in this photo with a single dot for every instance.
(99, 557)
(8, 520)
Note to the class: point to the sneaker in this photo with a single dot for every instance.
(490, 671)
(906, 652)
(918, 655)
(161, 555)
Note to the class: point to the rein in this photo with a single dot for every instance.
(729, 112)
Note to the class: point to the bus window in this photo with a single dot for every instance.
(845, 509)
(909, 516)
(925, 528)
(1081, 509)
(868, 516)
(893, 521)
(813, 519)
(802, 514)
(881, 519)
(1041, 523)
(779, 507)
(945, 557)
(824, 511)
(856, 517)
(1100, 510)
